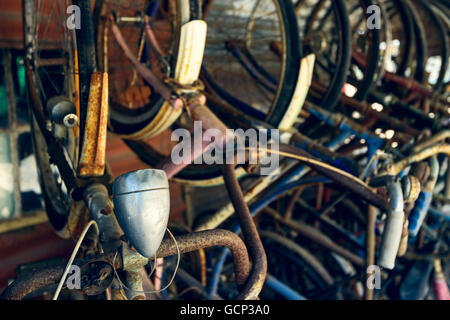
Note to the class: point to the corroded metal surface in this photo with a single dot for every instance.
(206, 239)
(439, 137)
(365, 108)
(92, 159)
(397, 167)
(134, 284)
(78, 219)
(33, 281)
(251, 236)
(343, 178)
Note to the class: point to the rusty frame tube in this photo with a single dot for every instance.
(186, 243)
(439, 137)
(399, 166)
(313, 145)
(199, 112)
(133, 266)
(33, 281)
(367, 110)
(171, 169)
(93, 153)
(133, 280)
(354, 184)
(207, 239)
(407, 83)
(259, 260)
(51, 62)
(293, 201)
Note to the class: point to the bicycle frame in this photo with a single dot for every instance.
(115, 251)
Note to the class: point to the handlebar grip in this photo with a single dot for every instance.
(391, 240)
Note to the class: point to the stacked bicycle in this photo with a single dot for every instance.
(351, 97)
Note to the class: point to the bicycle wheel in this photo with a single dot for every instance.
(244, 42)
(366, 44)
(437, 45)
(131, 119)
(133, 103)
(325, 30)
(252, 55)
(443, 12)
(403, 36)
(420, 44)
(293, 265)
(347, 220)
(58, 66)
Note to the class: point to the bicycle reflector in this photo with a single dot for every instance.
(142, 206)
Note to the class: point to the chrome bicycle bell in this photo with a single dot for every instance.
(142, 206)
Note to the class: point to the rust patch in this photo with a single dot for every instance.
(78, 219)
(396, 168)
(92, 159)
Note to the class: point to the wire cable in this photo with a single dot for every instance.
(72, 257)
(153, 291)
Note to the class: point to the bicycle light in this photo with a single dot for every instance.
(142, 206)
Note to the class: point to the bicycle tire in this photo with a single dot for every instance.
(286, 87)
(212, 175)
(420, 43)
(337, 81)
(128, 122)
(367, 83)
(57, 211)
(407, 23)
(444, 43)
